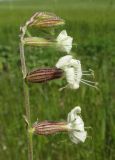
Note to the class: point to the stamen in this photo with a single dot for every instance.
(90, 84)
(87, 74)
(90, 71)
(86, 71)
(88, 127)
(63, 88)
(88, 81)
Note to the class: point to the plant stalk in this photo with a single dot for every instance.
(22, 57)
(26, 102)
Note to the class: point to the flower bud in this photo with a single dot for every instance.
(43, 75)
(44, 20)
(37, 41)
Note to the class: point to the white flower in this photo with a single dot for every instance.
(64, 42)
(76, 126)
(72, 69)
(64, 62)
(73, 72)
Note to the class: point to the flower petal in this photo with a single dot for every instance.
(75, 63)
(64, 42)
(69, 72)
(77, 137)
(73, 114)
(63, 62)
(61, 36)
(73, 86)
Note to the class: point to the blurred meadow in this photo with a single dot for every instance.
(92, 25)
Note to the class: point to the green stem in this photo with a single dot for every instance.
(22, 57)
(27, 108)
(28, 33)
(26, 101)
(27, 104)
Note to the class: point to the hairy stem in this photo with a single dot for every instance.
(27, 108)
(26, 102)
(22, 57)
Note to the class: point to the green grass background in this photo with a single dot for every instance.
(92, 24)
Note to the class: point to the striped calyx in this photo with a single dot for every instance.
(44, 20)
(44, 75)
(37, 41)
(47, 128)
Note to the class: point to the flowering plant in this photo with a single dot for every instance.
(66, 66)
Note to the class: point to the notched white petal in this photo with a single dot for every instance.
(76, 126)
(73, 86)
(75, 63)
(74, 112)
(77, 137)
(69, 72)
(63, 62)
(62, 35)
(64, 42)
